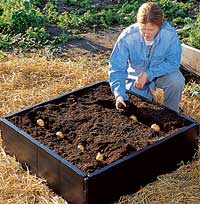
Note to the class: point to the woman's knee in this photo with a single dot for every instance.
(174, 81)
(177, 81)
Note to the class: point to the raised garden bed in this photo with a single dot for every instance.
(190, 59)
(133, 153)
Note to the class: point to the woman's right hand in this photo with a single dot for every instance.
(120, 103)
(141, 81)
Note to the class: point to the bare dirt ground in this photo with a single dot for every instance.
(96, 43)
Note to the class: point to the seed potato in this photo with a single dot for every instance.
(99, 156)
(155, 127)
(40, 122)
(133, 118)
(60, 134)
(81, 147)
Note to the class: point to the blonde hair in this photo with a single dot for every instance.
(150, 12)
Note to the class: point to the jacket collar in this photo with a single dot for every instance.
(156, 38)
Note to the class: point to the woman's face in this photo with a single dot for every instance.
(148, 30)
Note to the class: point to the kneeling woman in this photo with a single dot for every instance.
(147, 55)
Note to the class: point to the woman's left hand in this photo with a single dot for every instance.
(141, 81)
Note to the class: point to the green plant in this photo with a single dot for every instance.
(192, 35)
(173, 9)
(192, 88)
(26, 17)
(51, 13)
(63, 38)
(68, 21)
(2, 55)
(5, 42)
(37, 35)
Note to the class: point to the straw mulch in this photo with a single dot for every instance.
(180, 186)
(19, 187)
(26, 80)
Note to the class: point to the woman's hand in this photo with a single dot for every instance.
(141, 81)
(120, 103)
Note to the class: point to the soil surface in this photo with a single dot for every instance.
(89, 118)
(97, 44)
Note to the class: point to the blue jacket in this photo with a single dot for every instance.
(131, 56)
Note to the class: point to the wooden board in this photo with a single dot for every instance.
(191, 59)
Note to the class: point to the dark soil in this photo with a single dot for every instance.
(190, 77)
(90, 118)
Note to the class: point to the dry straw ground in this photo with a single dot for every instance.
(26, 80)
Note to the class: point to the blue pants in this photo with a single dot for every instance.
(172, 86)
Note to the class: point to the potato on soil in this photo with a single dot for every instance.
(40, 122)
(133, 118)
(60, 134)
(81, 147)
(99, 156)
(155, 127)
